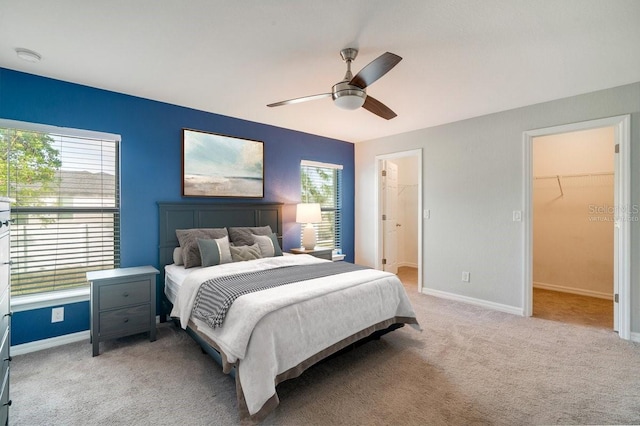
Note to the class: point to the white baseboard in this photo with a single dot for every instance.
(635, 337)
(408, 264)
(478, 302)
(52, 342)
(572, 290)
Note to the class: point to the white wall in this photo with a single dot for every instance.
(472, 183)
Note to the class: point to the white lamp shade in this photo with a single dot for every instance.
(308, 213)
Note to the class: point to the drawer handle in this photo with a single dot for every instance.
(126, 320)
(125, 294)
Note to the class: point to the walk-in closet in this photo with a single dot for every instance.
(573, 227)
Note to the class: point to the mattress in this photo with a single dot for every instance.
(174, 277)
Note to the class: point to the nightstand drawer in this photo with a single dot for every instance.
(130, 293)
(124, 321)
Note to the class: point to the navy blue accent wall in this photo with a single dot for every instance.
(28, 326)
(150, 154)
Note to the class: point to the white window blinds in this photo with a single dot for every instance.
(322, 183)
(66, 215)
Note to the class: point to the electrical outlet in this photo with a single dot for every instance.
(466, 276)
(517, 216)
(57, 314)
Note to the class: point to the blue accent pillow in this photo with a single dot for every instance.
(268, 244)
(214, 252)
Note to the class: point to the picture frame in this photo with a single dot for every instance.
(216, 165)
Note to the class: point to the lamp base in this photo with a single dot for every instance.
(309, 237)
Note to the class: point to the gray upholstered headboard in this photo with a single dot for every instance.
(176, 215)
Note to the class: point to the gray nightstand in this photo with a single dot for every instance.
(123, 302)
(322, 253)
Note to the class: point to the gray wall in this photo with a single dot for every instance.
(473, 181)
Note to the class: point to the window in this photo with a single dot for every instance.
(322, 183)
(66, 214)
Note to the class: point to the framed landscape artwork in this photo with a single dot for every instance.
(216, 165)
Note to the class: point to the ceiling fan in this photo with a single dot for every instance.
(350, 93)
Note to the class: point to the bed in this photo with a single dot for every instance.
(306, 309)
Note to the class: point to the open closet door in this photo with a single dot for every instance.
(390, 216)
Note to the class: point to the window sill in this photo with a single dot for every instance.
(52, 298)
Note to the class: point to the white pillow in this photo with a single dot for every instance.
(177, 256)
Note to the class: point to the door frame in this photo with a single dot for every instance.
(378, 237)
(622, 197)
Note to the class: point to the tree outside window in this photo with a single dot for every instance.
(66, 207)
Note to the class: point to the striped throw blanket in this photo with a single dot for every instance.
(215, 296)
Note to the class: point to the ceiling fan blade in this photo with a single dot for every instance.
(378, 108)
(375, 69)
(298, 100)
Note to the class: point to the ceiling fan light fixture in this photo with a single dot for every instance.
(348, 97)
(349, 102)
(28, 55)
(350, 93)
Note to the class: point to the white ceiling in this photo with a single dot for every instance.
(462, 58)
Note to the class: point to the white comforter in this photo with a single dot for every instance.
(271, 331)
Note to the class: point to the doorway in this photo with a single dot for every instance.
(398, 212)
(573, 232)
(621, 218)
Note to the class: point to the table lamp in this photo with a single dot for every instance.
(308, 213)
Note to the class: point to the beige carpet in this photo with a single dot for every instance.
(469, 366)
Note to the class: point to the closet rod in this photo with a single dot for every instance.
(559, 177)
(575, 175)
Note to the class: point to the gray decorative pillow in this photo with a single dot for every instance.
(214, 252)
(189, 244)
(242, 253)
(243, 235)
(269, 246)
